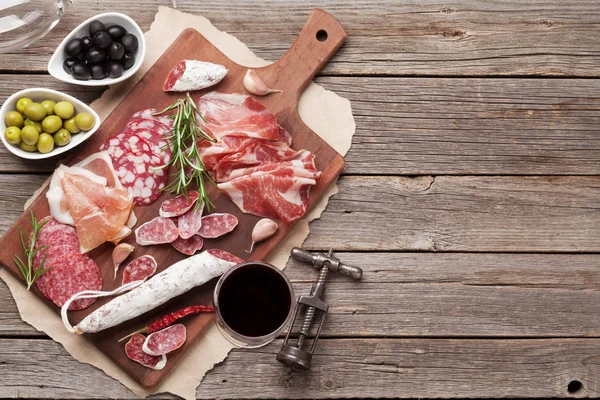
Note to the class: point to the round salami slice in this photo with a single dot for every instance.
(190, 223)
(188, 246)
(151, 124)
(224, 255)
(139, 269)
(53, 253)
(125, 142)
(53, 233)
(178, 205)
(149, 113)
(140, 176)
(71, 273)
(155, 141)
(217, 224)
(165, 341)
(134, 352)
(157, 231)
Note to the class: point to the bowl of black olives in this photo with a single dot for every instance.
(106, 49)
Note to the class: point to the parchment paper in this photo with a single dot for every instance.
(323, 111)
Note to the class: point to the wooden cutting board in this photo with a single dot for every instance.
(318, 41)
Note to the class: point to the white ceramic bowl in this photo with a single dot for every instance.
(39, 95)
(55, 65)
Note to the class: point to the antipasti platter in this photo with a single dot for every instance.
(290, 167)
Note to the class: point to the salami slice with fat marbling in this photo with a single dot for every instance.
(134, 351)
(140, 176)
(139, 269)
(165, 341)
(55, 233)
(190, 223)
(188, 246)
(217, 224)
(157, 231)
(178, 205)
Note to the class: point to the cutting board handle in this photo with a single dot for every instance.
(318, 41)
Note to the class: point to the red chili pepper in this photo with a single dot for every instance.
(169, 319)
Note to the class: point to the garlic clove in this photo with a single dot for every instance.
(263, 229)
(255, 85)
(120, 254)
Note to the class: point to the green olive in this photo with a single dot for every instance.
(35, 111)
(12, 135)
(14, 118)
(45, 144)
(21, 103)
(64, 109)
(51, 124)
(71, 126)
(84, 121)
(30, 135)
(49, 106)
(62, 137)
(28, 147)
(37, 125)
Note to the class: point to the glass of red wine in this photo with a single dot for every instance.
(253, 304)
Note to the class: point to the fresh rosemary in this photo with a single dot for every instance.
(183, 140)
(28, 270)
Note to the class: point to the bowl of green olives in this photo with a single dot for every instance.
(105, 49)
(42, 123)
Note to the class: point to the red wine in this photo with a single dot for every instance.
(254, 300)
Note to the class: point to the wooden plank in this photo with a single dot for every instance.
(389, 37)
(403, 368)
(443, 295)
(414, 126)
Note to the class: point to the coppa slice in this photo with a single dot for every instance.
(134, 352)
(191, 75)
(188, 246)
(165, 341)
(178, 205)
(139, 269)
(157, 231)
(217, 224)
(190, 223)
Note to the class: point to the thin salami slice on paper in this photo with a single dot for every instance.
(188, 246)
(157, 231)
(225, 255)
(134, 352)
(139, 269)
(190, 223)
(165, 341)
(191, 75)
(140, 176)
(178, 205)
(217, 224)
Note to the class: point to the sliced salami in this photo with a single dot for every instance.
(178, 205)
(225, 255)
(55, 233)
(139, 269)
(155, 141)
(151, 124)
(165, 341)
(140, 176)
(188, 246)
(217, 224)
(125, 142)
(134, 352)
(71, 273)
(149, 113)
(191, 75)
(190, 223)
(157, 231)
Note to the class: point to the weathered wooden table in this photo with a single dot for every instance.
(471, 198)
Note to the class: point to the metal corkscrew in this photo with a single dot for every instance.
(296, 355)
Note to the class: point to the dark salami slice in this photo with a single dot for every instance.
(190, 223)
(139, 269)
(165, 341)
(217, 224)
(188, 246)
(134, 352)
(157, 231)
(140, 176)
(178, 205)
(71, 274)
(225, 255)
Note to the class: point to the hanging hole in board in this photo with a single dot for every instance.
(322, 35)
(574, 386)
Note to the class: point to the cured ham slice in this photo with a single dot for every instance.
(237, 115)
(303, 167)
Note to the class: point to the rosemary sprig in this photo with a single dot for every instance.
(28, 270)
(183, 140)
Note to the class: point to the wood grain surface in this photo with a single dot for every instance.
(470, 198)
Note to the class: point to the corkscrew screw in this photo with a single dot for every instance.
(295, 355)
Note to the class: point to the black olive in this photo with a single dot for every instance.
(68, 64)
(82, 56)
(81, 71)
(101, 39)
(96, 26)
(97, 71)
(73, 47)
(116, 32)
(96, 55)
(114, 69)
(116, 51)
(128, 60)
(130, 42)
(87, 42)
